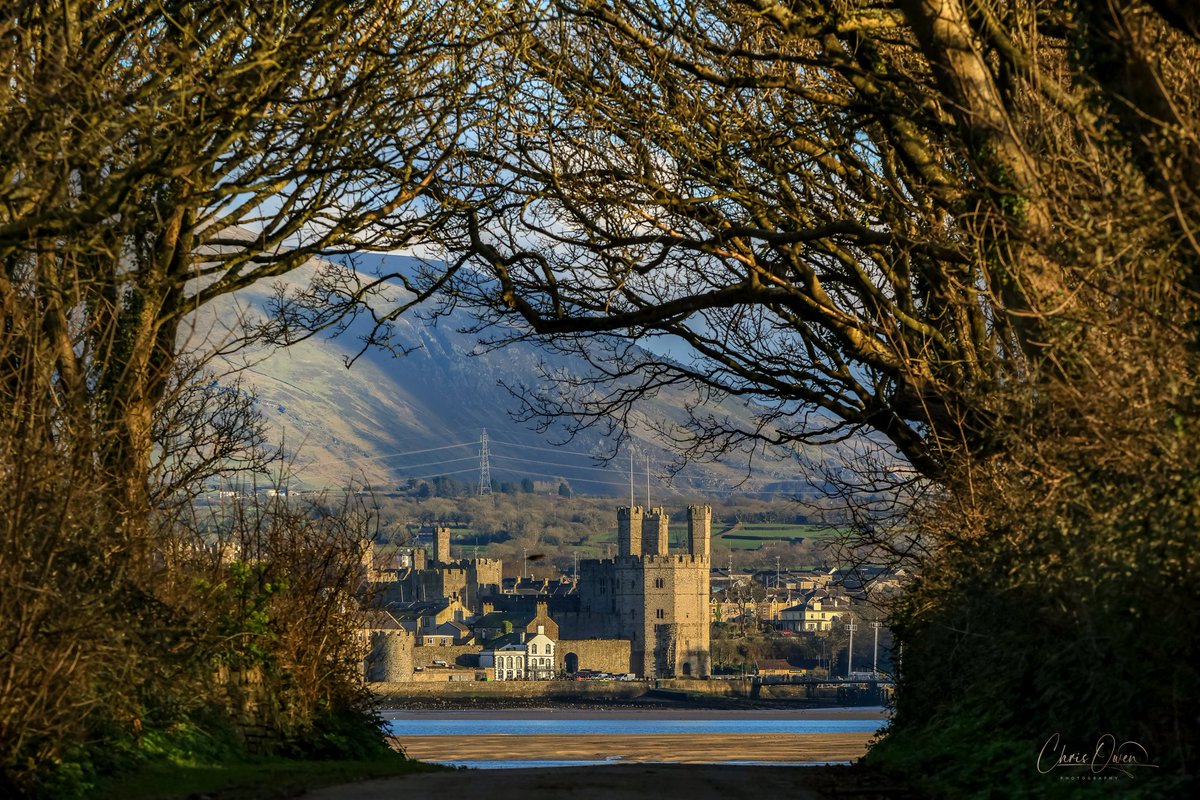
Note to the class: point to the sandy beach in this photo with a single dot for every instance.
(678, 748)
(685, 748)
(696, 771)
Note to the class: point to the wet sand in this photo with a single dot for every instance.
(692, 773)
(683, 748)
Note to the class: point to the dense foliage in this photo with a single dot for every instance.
(967, 230)
(158, 155)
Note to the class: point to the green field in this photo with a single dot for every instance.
(601, 542)
(772, 530)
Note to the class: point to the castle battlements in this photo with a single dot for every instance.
(676, 559)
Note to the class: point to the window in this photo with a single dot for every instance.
(659, 613)
(533, 649)
(658, 583)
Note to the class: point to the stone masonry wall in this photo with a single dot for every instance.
(390, 657)
(604, 655)
(466, 691)
(463, 655)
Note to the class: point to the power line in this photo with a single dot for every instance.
(572, 480)
(433, 463)
(441, 474)
(606, 470)
(485, 456)
(485, 466)
(391, 455)
(548, 449)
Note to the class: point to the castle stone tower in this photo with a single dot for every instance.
(629, 531)
(699, 530)
(441, 545)
(655, 539)
(657, 600)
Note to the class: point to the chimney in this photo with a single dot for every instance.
(629, 531)
(699, 530)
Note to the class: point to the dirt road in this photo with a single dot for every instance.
(622, 782)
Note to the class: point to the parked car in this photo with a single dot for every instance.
(440, 663)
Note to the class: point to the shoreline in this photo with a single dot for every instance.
(623, 712)
(654, 700)
(671, 748)
(634, 743)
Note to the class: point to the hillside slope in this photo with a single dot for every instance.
(391, 417)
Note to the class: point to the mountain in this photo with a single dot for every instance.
(388, 418)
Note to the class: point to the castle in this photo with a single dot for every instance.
(468, 581)
(646, 611)
(655, 599)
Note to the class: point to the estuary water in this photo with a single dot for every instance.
(573, 737)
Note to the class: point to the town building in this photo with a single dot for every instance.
(817, 612)
(519, 656)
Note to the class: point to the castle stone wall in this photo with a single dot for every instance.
(503, 691)
(463, 655)
(389, 656)
(655, 532)
(603, 655)
(629, 531)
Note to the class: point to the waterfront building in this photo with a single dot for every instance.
(520, 656)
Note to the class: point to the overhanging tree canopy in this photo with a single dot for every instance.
(158, 155)
(879, 212)
(967, 226)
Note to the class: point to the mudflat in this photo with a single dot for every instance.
(685, 748)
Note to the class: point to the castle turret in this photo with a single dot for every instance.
(655, 540)
(629, 531)
(441, 545)
(699, 530)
